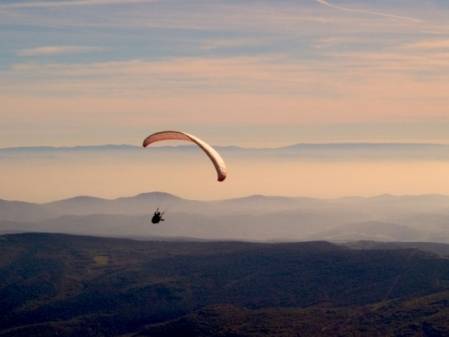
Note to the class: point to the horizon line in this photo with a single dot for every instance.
(246, 196)
(111, 145)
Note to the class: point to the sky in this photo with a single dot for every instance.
(250, 73)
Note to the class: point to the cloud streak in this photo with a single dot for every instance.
(39, 4)
(370, 12)
(232, 91)
(429, 44)
(57, 50)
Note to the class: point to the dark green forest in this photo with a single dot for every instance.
(61, 285)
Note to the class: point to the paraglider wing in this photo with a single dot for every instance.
(214, 156)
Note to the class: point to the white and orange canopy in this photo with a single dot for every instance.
(213, 155)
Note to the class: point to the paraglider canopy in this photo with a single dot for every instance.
(213, 155)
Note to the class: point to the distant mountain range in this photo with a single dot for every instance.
(322, 151)
(267, 218)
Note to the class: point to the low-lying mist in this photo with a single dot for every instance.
(323, 172)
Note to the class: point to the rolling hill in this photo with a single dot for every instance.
(252, 218)
(70, 286)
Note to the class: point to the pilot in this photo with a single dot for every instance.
(157, 216)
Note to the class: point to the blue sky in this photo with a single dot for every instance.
(251, 73)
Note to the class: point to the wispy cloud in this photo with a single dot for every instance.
(37, 4)
(370, 12)
(229, 43)
(350, 87)
(429, 44)
(57, 50)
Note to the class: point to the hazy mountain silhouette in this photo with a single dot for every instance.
(315, 151)
(386, 218)
(139, 204)
(22, 211)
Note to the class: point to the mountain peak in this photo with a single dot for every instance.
(156, 195)
(78, 199)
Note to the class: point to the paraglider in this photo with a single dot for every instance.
(213, 155)
(157, 217)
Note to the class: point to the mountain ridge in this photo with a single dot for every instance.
(144, 195)
(295, 146)
(250, 218)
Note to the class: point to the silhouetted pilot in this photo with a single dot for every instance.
(157, 216)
